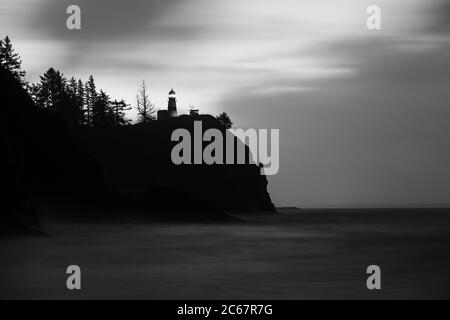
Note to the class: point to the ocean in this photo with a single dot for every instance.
(297, 254)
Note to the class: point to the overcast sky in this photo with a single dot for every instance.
(364, 116)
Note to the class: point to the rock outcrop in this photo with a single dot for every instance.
(138, 159)
(127, 167)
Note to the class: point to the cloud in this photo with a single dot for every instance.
(377, 136)
(440, 22)
(362, 114)
(119, 30)
(102, 20)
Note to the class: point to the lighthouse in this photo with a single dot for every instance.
(172, 106)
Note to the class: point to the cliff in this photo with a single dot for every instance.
(122, 167)
(138, 159)
(40, 158)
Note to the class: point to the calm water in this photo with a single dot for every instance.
(288, 256)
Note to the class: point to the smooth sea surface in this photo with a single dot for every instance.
(292, 255)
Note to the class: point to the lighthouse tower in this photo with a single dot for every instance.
(172, 107)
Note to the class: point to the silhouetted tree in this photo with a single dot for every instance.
(34, 92)
(11, 60)
(102, 115)
(54, 92)
(90, 95)
(76, 101)
(225, 120)
(72, 88)
(82, 101)
(118, 109)
(145, 109)
(50, 91)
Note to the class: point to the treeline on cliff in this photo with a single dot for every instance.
(81, 103)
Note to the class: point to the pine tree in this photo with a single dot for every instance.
(145, 109)
(55, 93)
(34, 90)
(51, 89)
(72, 87)
(118, 109)
(102, 115)
(76, 101)
(11, 61)
(90, 95)
(81, 101)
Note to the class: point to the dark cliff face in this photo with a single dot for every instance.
(42, 154)
(41, 158)
(127, 167)
(138, 159)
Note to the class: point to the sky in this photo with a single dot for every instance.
(364, 115)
